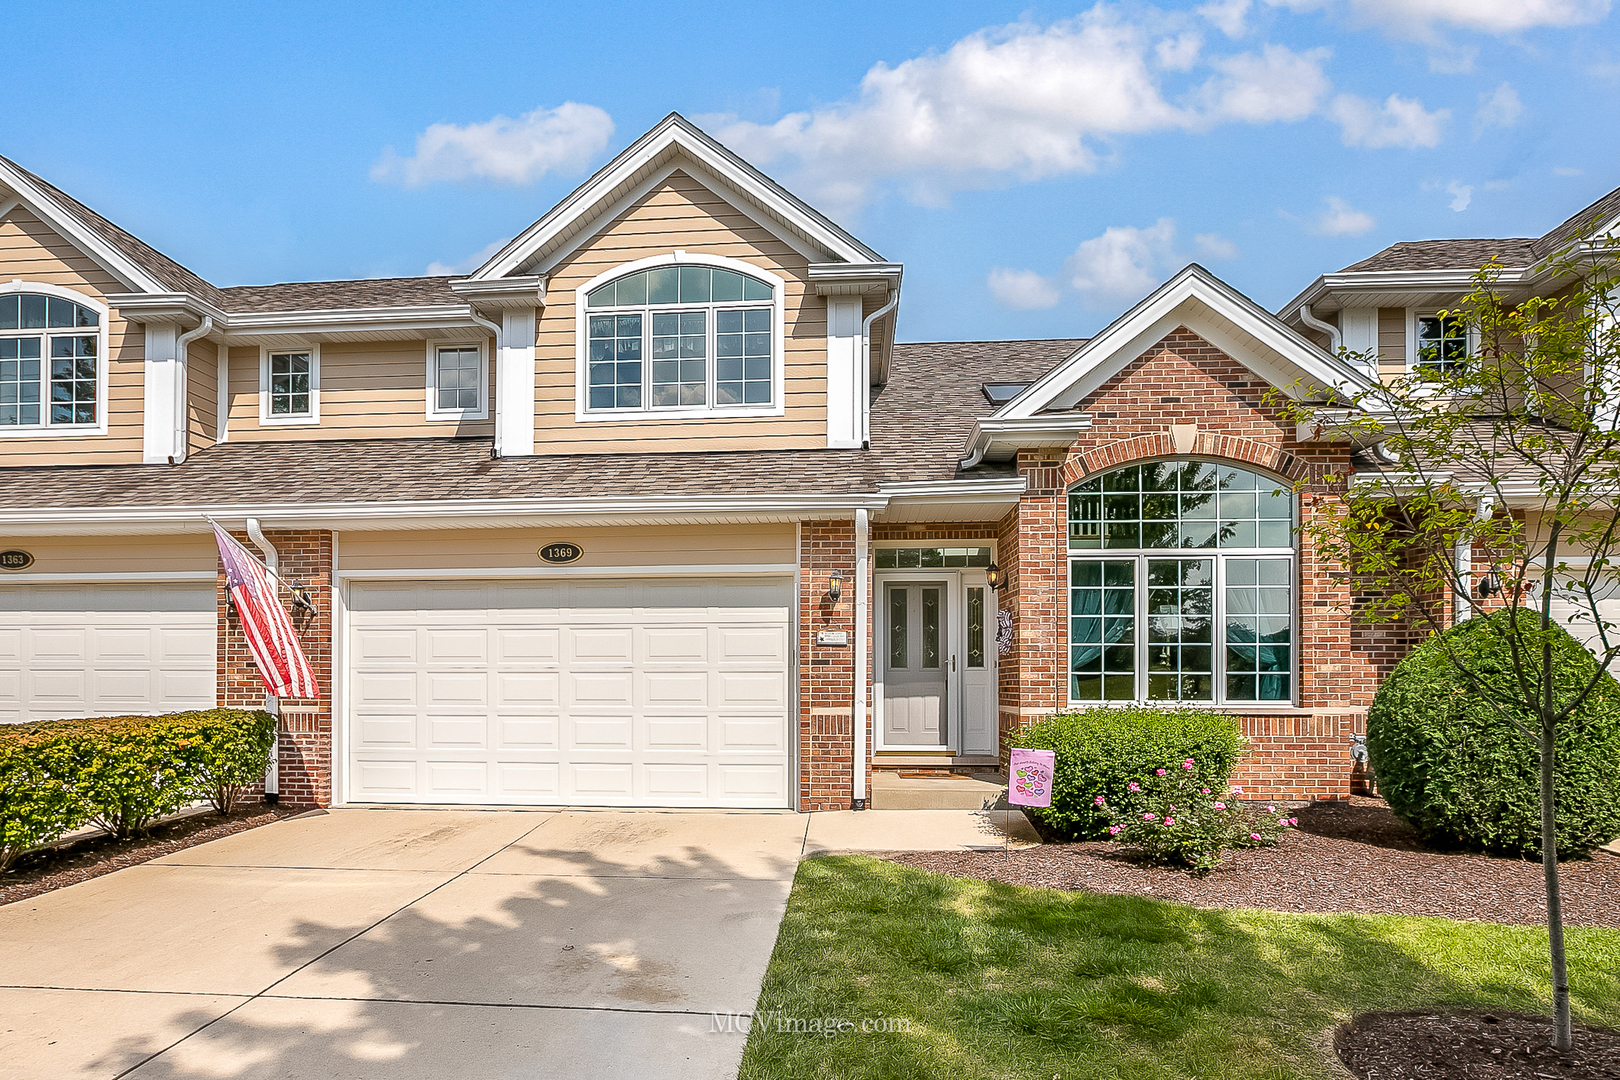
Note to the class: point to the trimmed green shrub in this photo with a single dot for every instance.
(38, 801)
(1102, 751)
(121, 772)
(1450, 764)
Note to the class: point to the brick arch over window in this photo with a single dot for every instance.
(1204, 444)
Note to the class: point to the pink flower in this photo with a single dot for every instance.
(1236, 790)
(1282, 821)
(1147, 817)
(1293, 821)
(1134, 786)
(1158, 772)
(1098, 801)
(1219, 805)
(1187, 764)
(1254, 836)
(1169, 821)
(1206, 791)
(1113, 829)
(1271, 809)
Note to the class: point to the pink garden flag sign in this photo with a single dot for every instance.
(1030, 777)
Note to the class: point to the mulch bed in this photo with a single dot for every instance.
(58, 867)
(1471, 1044)
(1355, 857)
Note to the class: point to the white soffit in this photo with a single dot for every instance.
(1207, 306)
(675, 143)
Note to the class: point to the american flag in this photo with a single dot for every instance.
(269, 632)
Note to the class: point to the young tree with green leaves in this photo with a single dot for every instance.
(1492, 476)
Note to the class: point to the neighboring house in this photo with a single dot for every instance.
(616, 519)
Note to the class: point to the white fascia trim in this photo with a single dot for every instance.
(1011, 485)
(508, 292)
(441, 513)
(1449, 280)
(1036, 433)
(167, 307)
(845, 278)
(1123, 340)
(673, 131)
(728, 570)
(337, 320)
(42, 205)
(112, 577)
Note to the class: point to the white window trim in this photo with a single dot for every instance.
(432, 360)
(314, 416)
(45, 430)
(1412, 316)
(777, 407)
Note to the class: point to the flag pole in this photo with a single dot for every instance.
(272, 703)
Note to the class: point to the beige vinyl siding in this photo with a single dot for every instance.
(33, 251)
(1391, 341)
(127, 554)
(202, 394)
(723, 547)
(682, 214)
(368, 390)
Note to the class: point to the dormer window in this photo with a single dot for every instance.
(51, 372)
(689, 337)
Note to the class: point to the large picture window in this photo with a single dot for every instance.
(50, 363)
(1181, 586)
(688, 337)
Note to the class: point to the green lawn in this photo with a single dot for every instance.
(1001, 981)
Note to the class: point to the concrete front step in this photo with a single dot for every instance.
(978, 791)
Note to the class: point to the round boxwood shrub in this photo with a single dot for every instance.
(1451, 765)
(1101, 751)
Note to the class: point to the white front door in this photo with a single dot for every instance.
(72, 651)
(570, 692)
(935, 661)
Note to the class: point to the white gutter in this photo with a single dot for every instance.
(500, 399)
(1463, 554)
(272, 704)
(182, 437)
(858, 728)
(1335, 338)
(1037, 431)
(866, 362)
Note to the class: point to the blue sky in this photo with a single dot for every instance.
(1037, 168)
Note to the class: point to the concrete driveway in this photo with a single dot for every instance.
(383, 944)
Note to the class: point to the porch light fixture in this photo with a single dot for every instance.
(835, 586)
(994, 576)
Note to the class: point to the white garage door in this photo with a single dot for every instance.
(623, 693)
(105, 650)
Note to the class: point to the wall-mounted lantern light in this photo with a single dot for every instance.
(835, 586)
(994, 576)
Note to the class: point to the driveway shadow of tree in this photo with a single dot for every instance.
(596, 969)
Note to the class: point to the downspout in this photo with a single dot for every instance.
(479, 320)
(865, 389)
(1335, 338)
(858, 757)
(272, 704)
(1463, 559)
(182, 434)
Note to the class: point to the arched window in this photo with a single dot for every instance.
(684, 336)
(50, 367)
(1181, 585)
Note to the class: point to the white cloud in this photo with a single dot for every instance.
(1123, 264)
(1178, 53)
(1022, 290)
(1342, 219)
(1461, 195)
(470, 263)
(1215, 246)
(1398, 122)
(1565, 170)
(520, 151)
(1421, 18)
(1498, 109)
(1230, 17)
(1271, 85)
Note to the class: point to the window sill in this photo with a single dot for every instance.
(58, 431)
(747, 412)
(456, 417)
(289, 421)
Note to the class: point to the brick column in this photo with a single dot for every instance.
(305, 744)
(826, 672)
(1033, 593)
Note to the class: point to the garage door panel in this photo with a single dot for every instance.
(526, 732)
(183, 689)
(378, 646)
(66, 643)
(630, 693)
(384, 778)
(129, 643)
(62, 689)
(171, 646)
(121, 687)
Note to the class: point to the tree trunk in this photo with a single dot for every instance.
(1555, 911)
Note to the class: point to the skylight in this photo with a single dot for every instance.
(999, 393)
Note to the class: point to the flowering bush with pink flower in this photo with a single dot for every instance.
(1117, 753)
(1176, 818)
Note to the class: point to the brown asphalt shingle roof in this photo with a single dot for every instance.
(322, 295)
(920, 423)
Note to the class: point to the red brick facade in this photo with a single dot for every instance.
(827, 672)
(305, 745)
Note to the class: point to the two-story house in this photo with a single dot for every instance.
(651, 509)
